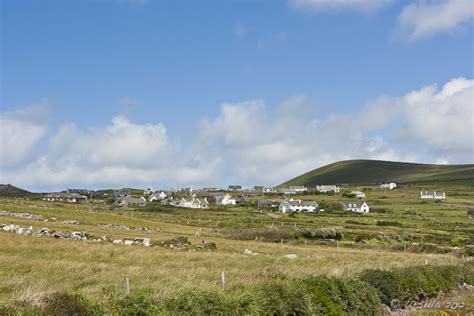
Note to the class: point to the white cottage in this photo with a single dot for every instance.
(388, 186)
(157, 196)
(358, 194)
(432, 195)
(226, 200)
(194, 202)
(356, 207)
(290, 206)
(327, 188)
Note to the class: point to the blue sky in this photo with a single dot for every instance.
(176, 62)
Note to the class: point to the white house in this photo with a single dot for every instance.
(358, 194)
(193, 202)
(388, 186)
(298, 188)
(148, 191)
(290, 206)
(226, 200)
(155, 196)
(432, 195)
(287, 191)
(327, 188)
(357, 207)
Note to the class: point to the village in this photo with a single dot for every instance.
(235, 195)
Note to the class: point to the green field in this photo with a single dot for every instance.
(400, 231)
(376, 171)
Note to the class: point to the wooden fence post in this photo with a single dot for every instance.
(222, 279)
(126, 286)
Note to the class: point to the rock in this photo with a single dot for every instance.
(43, 232)
(291, 256)
(22, 215)
(128, 242)
(29, 230)
(79, 236)
(58, 234)
(248, 252)
(118, 242)
(143, 241)
(71, 222)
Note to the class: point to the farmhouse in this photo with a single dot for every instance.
(267, 204)
(298, 188)
(357, 207)
(128, 200)
(290, 206)
(226, 200)
(388, 186)
(358, 194)
(194, 202)
(287, 191)
(327, 188)
(432, 195)
(65, 197)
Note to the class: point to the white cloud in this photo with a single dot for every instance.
(20, 131)
(247, 142)
(338, 5)
(427, 18)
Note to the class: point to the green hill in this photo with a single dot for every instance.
(8, 190)
(376, 171)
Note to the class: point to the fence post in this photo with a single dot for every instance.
(126, 286)
(222, 279)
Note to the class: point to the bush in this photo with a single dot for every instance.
(323, 233)
(470, 212)
(386, 223)
(135, 305)
(413, 283)
(338, 296)
(68, 304)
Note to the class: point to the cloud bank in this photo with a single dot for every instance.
(246, 143)
(427, 18)
(338, 5)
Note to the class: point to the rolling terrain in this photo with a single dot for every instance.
(375, 171)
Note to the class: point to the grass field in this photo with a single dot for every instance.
(418, 233)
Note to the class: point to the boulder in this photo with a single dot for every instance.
(118, 242)
(291, 256)
(128, 242)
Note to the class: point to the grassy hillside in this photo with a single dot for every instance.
(8, 190)
(375, 171)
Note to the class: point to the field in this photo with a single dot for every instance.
(400, 231)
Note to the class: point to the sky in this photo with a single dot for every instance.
(144, 93)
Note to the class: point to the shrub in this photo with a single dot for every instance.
(353, 222)
(68, 304)
(338, 296)
(323, 233)
(135, 305)
(387, 223)
(470, 211)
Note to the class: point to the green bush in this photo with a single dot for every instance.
(414, 283)
(323, 233)
(135, 305)
(69, 304)
(338, 296)
(387, 223)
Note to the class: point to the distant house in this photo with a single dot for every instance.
(128, 200)
(358, 207)
(287, 191)
(262, 204)
(65, 197)
(118, 194)
(226, 200)
(432, 195)
(327, 188)
(194, 202)
(290, 206)
(259, 188)
(388, 186)
(358, 194)
(234, 188)
(148, 191)
(298, 188)
(155, 196)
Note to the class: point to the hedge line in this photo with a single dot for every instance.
(313, 295)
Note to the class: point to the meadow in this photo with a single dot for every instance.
(400, 232)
